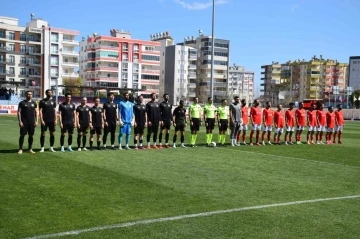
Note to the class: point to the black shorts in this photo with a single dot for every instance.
(50, 125)
(83, 129)
(110, 128)
(96, 130)
(166, 124)
(210, 124)
(69, 128)
(195, 125)
(223, 126)
(139, 129)
(180, 127)
(27, 129)
(154, 128)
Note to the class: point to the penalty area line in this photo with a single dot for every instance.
(181, 217)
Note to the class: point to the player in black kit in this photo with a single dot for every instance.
(140, 122)
(153, 120)
(67, 121)
(83, 121)
(96, 123)
(28, 120)
(48, 119)
(111, 119)
(166, 120)
(179, 115)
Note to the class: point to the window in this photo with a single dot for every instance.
(11, 36)
(31, 49)
(23, 60)
(23, 37)
(31, 38)
(22, 48)
(136, 67)
(91, 55)
(125, 57)
(2, 34)
(221, 63)
(125, 47)
(31, 60)
(150, 58)
(108, 54)
(11, 47)
(12, 70)
(54, 49)
(124, 66)
(54, 72)
(149, 48)
(12, 59)
(2, 69)
(54, 37)
(54, 60)
(124, 77)
(22, 71)
(136, 48)
(149, 77)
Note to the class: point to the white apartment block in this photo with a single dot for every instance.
(354, 72)
(118, 61)
(180, 73)
(203, 45)
(36, 56)
(241, 83)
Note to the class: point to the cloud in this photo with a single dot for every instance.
(198, 5)
(294, 7)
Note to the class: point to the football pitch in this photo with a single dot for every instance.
(299, 191)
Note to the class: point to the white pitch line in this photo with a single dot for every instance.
(181, 217)
(293, 158)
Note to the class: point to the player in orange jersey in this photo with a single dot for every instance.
(311, 120)
(300, 119)
(255, 116)
(245, 118)
(279, 122)
(339, 121)
(268, 120)
(289, 123)
(330, 123)
(321, 123)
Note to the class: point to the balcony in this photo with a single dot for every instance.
(54, 74)
(70, 63)
(109, 79)
(70, 74)
(2, 61)
(70, 53)
(220, 84)
(192, 75)
(33, 52)
(3, 49)
(191, 85)
(107, 68)
(3, 73)
(262, 84)
(9, 73)
(151, 72)
(192, 67)
(33, 63)
(33, 74)
(192, 57)
(33, 84)
(191, 94)
(70, 42)
(10, 62)
(33, 40)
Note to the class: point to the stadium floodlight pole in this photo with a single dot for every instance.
(212, 52)
(57, 91)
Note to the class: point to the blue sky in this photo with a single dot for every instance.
(260, 30)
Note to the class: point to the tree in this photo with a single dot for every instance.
(356, 95)
(74, 84)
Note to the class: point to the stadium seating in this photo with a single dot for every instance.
(14, 100)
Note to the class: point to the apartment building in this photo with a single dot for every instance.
(165, 40)
(180, 73)
(301, 79)
(118, 61)
(26, 54)
(354, 72)
(241, 83)
(203, 45)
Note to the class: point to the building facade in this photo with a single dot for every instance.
(354, 72)
(301, 79)
(27, 54)
(118, 61)
(180, 73)
(203, 45)
(241, 83)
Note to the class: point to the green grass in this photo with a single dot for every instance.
(56, 192)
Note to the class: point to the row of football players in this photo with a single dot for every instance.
(152, 115)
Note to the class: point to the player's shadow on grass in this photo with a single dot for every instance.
(9, 151)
